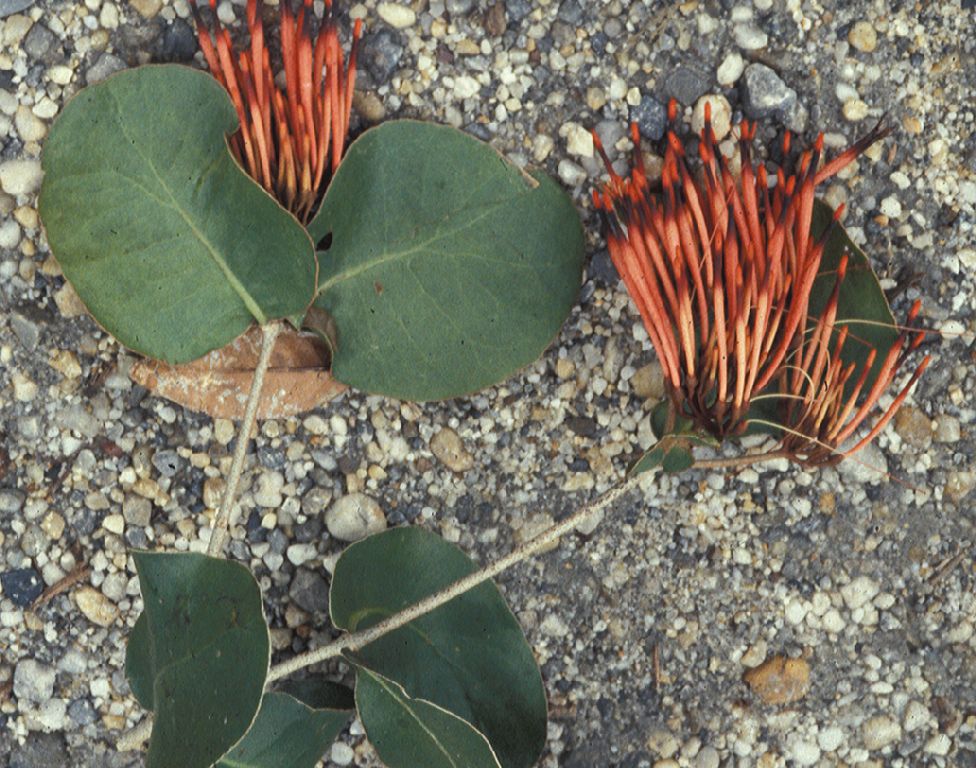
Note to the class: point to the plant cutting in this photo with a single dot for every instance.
(389, 628)
(739, 285)
(185, 209)
(437, 283)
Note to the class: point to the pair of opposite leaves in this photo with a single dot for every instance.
(448, 267)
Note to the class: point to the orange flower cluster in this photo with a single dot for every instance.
(721, 271)
(290, 141)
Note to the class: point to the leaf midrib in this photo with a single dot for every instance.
(236, 285)
(431, 735)
(390, 252)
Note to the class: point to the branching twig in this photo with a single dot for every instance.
(357, 640)
(221, 521)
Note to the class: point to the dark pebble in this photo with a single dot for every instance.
(651, 118)
(579, 465)
(570, 11)
(310, 530)
(273, 458)
(136, 537)
(583, 426)
(518, 9)
(179, 42)
(495, 20)
(479, 131)
(349, 463)
(602, 269)
(21, 586)
(380, 54)
(309, 591)
(686, 85)
(598, 41)
(256, 533)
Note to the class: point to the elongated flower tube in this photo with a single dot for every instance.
(721, 270)
(823, 405)
(290, 141)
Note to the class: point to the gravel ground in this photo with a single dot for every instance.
(645, 628)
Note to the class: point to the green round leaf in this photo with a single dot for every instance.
(293, 731)
(468, 657)
(173, 248)
(449, 268)
(408, 732)
(199, 653)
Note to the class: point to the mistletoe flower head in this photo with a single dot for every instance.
(290, 141)
(722, 269)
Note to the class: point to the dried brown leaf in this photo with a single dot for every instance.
(297, 380)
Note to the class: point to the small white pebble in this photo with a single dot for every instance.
(890, 207)
(396, 15)
(730, 69)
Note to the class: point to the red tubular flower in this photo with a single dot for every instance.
(290, 141)
(721, 271)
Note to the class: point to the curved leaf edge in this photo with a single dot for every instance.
(294, 320)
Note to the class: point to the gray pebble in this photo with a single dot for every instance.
(570, 11)
(651, 118)
(380, 54)
(11, 500)
(81, 712)
(518, 9)
(79, 420)
(27, 331)
(613, 28)
(33, 541)
(707, 758)
(107, 64)
(137, 511)
(309, 591)
(9, 7)
(267, 490)
(167, 462)
(33, 681)
(28, 427)
(686, 85)
(41, 44)
(765, 94)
